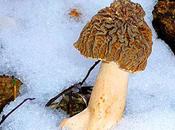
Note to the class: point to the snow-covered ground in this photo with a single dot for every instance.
(36, 45)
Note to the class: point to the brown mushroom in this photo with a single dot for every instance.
(164, 21)
(119, 36)
(9, 89)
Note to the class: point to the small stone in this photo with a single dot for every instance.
(75, 13)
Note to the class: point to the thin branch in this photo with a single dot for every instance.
(78, 85)
(57, 96)
(4, 117)
(92, 67)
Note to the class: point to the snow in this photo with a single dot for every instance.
(36, 38)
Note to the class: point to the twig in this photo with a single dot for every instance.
(78, 85)
(92, 67)
(4, 117)
(57, 96)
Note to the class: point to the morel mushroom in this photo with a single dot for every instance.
(164, 21)
(119, 36)
(9, 89)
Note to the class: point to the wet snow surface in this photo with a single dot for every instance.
(36, 45)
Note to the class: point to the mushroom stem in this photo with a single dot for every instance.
(107, 101)
(108, 98)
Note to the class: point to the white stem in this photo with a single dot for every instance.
(107, 101)
(108, 97)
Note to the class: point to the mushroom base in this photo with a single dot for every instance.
(107, 102)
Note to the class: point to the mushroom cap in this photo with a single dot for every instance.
(118, 33)
(164, 21)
